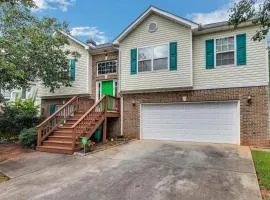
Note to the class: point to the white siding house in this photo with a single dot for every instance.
(167, 31)
(83, 73)
(254, 73)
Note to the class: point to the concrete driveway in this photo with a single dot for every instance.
(140, 170)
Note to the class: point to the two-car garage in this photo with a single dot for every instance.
(214, 122)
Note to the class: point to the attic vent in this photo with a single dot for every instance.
(152, 27)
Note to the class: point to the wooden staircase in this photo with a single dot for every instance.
(79, 117)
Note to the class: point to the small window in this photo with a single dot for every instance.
(225, 51)
(152, 27)
(153, 58)
(107, 67)
(23, 93)
(6, 94)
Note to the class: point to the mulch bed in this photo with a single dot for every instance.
(265, 194)
(104, 146)
(11, 151)
(3, 177)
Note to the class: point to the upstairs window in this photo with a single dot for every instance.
(153, 58)
(225, 51)
(107, 67)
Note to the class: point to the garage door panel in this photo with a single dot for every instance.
(200, 122)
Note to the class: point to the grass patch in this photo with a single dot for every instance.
(3, 178)
(262, 164)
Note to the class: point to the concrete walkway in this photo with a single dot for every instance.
(140, 170)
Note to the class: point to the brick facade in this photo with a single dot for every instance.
(113, 127)
(253, 116)
(98, 58)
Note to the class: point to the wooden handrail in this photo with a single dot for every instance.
(92, 108)
(59, 117)
(55, 113)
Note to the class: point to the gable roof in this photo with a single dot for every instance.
(74, 39)
(154, 10)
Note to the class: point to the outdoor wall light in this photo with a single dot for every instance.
(184, 98)
(133, 103)
(249, 100)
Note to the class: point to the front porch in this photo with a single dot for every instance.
(79, 117)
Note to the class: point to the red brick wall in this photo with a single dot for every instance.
(253, 117)
(95, 78)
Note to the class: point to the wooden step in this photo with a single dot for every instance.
(64, 128)
(62, 134)
(57, 143)
(60, 137)
(55, 149)
(63, 131)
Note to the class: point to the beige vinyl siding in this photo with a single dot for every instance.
(255, 73)
(82, 84)
(168, 31)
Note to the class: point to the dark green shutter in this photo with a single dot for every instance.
(209, 54)
(133, 61)
(173, 55)
(52, 109)
(72, 69)
(241, 49)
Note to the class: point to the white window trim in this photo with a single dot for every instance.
(215, 52)
(152, 59)
(105, 62)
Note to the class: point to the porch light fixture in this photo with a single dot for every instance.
(184, 98)
(249, 100)
(133, 103)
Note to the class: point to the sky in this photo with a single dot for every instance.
(103, 20)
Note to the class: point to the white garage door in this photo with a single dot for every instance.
(198, 122)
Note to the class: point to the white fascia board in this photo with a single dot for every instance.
(147, 13)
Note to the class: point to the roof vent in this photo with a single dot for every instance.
(152, 27)
(91, 43)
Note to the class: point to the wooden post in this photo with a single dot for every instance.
(73, 139)
(104, 135)
(39, 137)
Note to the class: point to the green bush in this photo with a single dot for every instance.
(28, 137)
(18, 115)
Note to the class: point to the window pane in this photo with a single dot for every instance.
(161, 51)
(225, 44)
(161, 63)
(144, 66)
(225, 58)
(145, 53)
(107, 67)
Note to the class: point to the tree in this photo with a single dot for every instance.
(31, 48)
(252, 10)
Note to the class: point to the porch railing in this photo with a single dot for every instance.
(60, 116)
(88, 122)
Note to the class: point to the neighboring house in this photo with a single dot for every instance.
(177, 80)
(23, 93)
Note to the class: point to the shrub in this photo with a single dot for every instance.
(18, 115)
(28, 137)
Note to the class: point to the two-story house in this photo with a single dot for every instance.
(176, 79)
(183, 81)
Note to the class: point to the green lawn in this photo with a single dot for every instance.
(262, 164)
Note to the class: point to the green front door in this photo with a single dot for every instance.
(107, 89)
